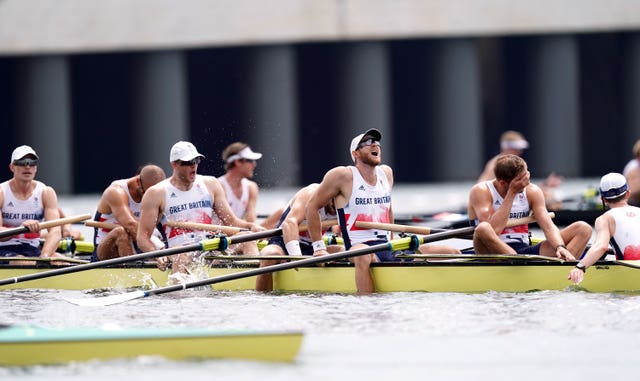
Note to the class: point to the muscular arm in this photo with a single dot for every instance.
(290, 230)
(50, 203)
(221, 206)
(151, 209)
(118, 202)
(333, 186)
(541, 214)
(605, 226)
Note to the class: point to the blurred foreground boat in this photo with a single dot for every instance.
(28, 345)
(426, 273)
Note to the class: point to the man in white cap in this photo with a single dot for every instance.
(360, 193)
(185, 196)
(241, 191)
(620, 226)
(26, 202)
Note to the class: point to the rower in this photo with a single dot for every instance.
(510, 194)
(620, 226)
(120, 205)
(27, 202)
(293, 242)
(361, 192)
(514, 143)
(185, 196)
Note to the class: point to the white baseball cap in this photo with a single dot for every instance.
(373, 133)
(184, 151)
(245, 153)
(21, 152)
(613, 185)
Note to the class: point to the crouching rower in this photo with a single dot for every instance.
(292, 241)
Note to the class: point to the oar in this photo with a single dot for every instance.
(229, 230)
(394, 245)
(204, 245)
(45, 259)
(427, 230)
(101, 225)
(45, 225)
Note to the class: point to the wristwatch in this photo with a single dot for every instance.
(582, 267)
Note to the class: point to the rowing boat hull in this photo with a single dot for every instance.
(451, 277)
(100, 278)
(434, 276)
(25, 345)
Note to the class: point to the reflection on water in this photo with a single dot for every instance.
(446, 335)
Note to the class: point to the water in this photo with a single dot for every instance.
(439, 336)
(574, 335)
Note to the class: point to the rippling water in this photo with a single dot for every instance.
(488, 336)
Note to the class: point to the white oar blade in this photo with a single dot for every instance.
(107, 300)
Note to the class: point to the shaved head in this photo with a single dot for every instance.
(151, 174)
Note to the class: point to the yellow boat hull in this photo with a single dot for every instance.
(21, 346)
(436, 276)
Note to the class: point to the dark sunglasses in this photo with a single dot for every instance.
(26, 162)
(189, 163)
(247, 161)
(368, 142)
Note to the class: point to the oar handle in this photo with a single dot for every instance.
(394, 227)
(45, 225)
(101, 224)
(229, 230)
(427, 230)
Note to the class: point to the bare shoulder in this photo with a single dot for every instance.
(49, 194)
(338, 173)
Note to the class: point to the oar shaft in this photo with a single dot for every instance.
(45, 225)
(229, 230)
(210, 244)
(101, 225)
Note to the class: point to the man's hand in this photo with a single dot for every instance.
(576, 275)
(520, 182)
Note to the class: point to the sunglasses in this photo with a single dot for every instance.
(189, 163)
(26, 162)
(368, 142)
(247, 161)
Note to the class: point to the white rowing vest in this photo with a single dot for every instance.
(371, 203)
(626, 239)
(519, 209)
(238, 205)
(194, 205)
(100, 233)
(16, 211)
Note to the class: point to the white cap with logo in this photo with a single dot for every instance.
(184, 151)
(245, 153)
(613, 185)
(373, 133)
(21, 152)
